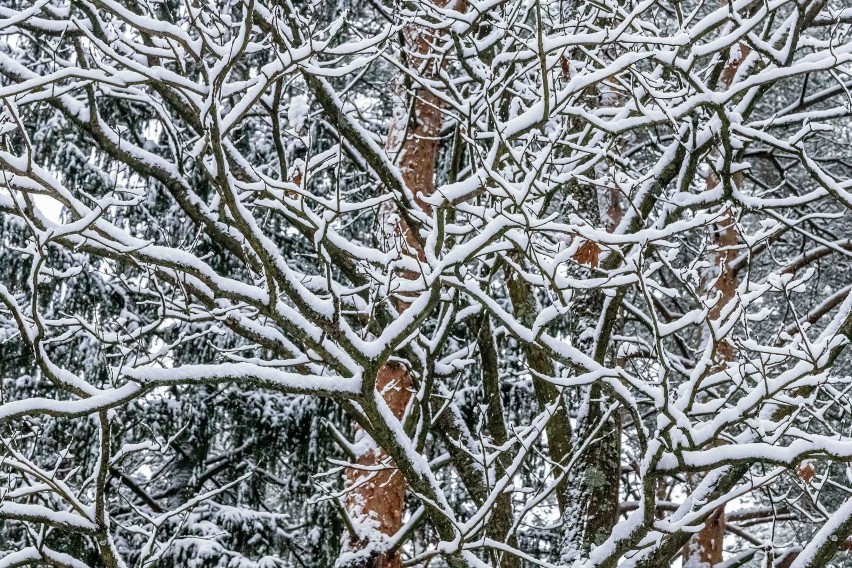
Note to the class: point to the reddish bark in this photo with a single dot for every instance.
(379, 496)
(588, 254)
(706, 547)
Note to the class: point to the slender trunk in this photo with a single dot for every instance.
(375, 497)
(498, 529)
(706, 547)
(595, 476)
(558, 429)
(191, 447)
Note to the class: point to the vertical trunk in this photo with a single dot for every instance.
(376, 490)
(595, 476)
(594, 480)
(501, 523)
(558, 429)
(706, 547)
(375, 499)
(192, 446)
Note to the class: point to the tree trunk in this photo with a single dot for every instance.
(706, 547)
(558, 429)
(594, 478)
(375, 500)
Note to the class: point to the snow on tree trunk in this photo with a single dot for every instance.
(375, 489)
(707, 546)
(376, 500)
(547, 394)
(594, 477)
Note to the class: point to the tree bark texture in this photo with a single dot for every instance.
(706, 547)
(378, 497)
